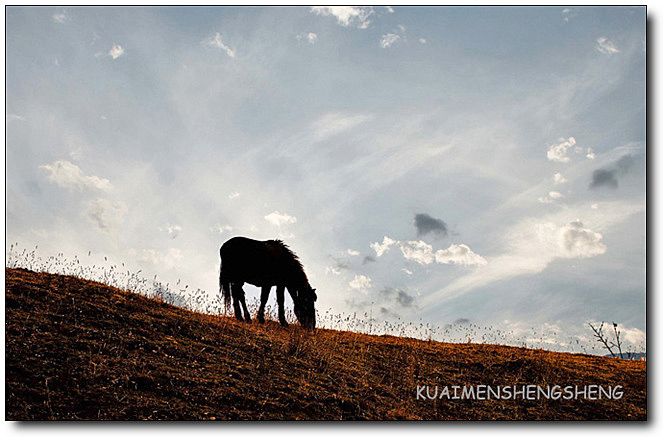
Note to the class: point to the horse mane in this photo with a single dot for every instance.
(291, 257)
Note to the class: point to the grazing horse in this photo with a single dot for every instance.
(265, 264)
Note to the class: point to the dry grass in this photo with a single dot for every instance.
(76, 349)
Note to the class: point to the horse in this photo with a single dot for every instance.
(265, 264)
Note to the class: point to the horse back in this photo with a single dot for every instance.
(252, 261)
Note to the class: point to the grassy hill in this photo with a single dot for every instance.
(76, 349)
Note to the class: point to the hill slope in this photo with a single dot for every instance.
(80, 350)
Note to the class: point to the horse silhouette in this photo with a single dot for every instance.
(265, 264)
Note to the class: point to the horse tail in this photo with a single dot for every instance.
(224, 287)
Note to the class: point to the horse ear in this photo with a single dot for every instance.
(315, 296)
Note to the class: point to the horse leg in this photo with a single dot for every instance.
(264, 295)
(280, 298)
(247, 316)
(237, 294)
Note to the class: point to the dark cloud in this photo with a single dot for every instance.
(368, 259)
(426, 224)
(397, 296)
(340, 264)
(461, 321)
(609, 177)
(604, 178)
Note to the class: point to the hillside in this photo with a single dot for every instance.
(81, 350)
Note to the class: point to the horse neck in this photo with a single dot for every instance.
(299, 280)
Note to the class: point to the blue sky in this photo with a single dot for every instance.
(468, 165)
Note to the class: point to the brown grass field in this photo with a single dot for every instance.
(77, 349)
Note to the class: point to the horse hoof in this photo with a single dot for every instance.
(284, 324)
(261, 319)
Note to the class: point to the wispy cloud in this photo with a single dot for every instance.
(170, 258)
(394, 37)
(217, 42)
(14, 117)
(309, 37)
(605, 46)
(347, 16)
(173, 231)
(388, 40)
(335, 123)
(552, 197)
(68, 175)
(534, 243)
(107, 215)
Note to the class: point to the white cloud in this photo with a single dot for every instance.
(422, 253)
(417, 251)
(605, 46)
(389, 9)
(422, 40)
(388, 40)
(558, 151)
(632, 336)
(333, 270)
(381, 249)
(70, 176)
(559, 179)
(555, 195)
(278, 219)
(590, 154)
(460, 254)
(233, 195)
(106, 214)
(61, 17)
(568, 14)
(310, 37)
(575, 241)
(353, 252)
(217, 42)
(222, 228)
(357, 16)
(116, 51)
(360, 283)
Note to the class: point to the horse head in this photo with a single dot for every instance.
(305, 307)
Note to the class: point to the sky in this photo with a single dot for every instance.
(454, 166)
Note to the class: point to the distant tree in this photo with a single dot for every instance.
(609, 344)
